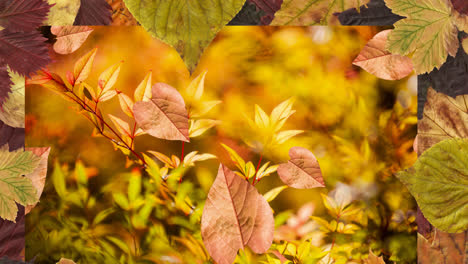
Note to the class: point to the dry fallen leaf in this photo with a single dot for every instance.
(373, 259)
(69, 38)
(38, 176)
(302, 171)
(235, 216)
(376, 60)
(165, 115)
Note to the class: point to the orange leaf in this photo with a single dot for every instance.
(69, 38)
(164, 116)
(83, 66)
(376, 60)
(302, 171)
(126, 104)
(235, 216)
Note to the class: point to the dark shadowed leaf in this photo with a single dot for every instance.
(12, 237)
(249, 15)
(375, 13)
(23, 15)
(12, 136)
(235, 216)
(93, 12)
(269, 8)
(461, 6)
(302, 171)
(165, 115)
(25, 53)
(5, 85)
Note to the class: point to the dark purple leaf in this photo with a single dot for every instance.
(375, 13)
(12, 136)
(23, 15)
(249, 15)
(269, 8)
(5, 84)
(461, 6)
(24, 52)
(93, 12)
(12, 236)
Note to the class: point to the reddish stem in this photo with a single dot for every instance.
(255, 180)
(182, 154)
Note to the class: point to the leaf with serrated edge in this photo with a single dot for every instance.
(69, 38)
(188, 26)
(12, 110)
(302, 171)
(439, 183)
(38, 176)
(24, 15)
(164, 116)
(235, 215)
(428, 30)
(376, 60)
(83, 66)
(63, 12)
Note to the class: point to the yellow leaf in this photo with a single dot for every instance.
(108, 78)
(126, 104)
(143, 91)
(249, 170)
(122, 126)
(163, 158)
(195, 88)
(283, 136)
(240, 163)
(105, 96)
(281, 113)
(271, 195)
(198, 127)
(83, 66)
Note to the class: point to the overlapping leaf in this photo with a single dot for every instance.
(428, 30)
(375, 59)
(439, 183)
(38, 176)
(164, 116)
(12, 238)
(63, 12)
(269, 8)
(235, 215)
(12, 110)
(302, 170)
(374, 13)
(188, 26)
(93, 12)
(69, 38)
(23, 15)
(5, 84)
(12, 136)
(308, 13)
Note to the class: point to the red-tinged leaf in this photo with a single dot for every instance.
(302, 170)
(126, 104)
(5, 85)
(269, 7)
(12, 236)
(165, 115)
(69, 38)
(122, 126)
(108, 78)
(23, 15)
(25, 53)
(461, 6)
(12, 136)
(93, 12)
(235, 216)
(375, 59)
(38, 176)
(83, 66)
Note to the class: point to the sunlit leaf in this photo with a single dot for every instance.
(192, 157)
(108, 78)
(228, 225)
(143, 91)
(262, 120)
(240, 163)
(83, 66)
(271, 194)
(38, 176)
(164, 116)
(283, 136)
(375, 59)
(69, 38)
(439, 183)
(198, 127)
(187, 26)
(302, 170)
(196, 87)
(126, 104)
(373, 259)
(122, 126)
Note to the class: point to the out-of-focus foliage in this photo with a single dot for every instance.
(359, 128)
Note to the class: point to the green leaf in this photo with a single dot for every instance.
(17, 162)
(311, 12)
(439, 183)
(428, 30)
(188, 26)
(58, 179)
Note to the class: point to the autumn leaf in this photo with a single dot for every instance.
(375, 59)
(23, 15)
(12, 136)
(83, 66)
(428, 30)
(143, 91)
(93, 12)
(273, 193)
(63, 12)
(188, 26)
(69, 38)
(235, 215)
(12, 238)
(13, 186)
(65, 261)
(120, 14)
(444, 117)
(302, 171)
(164, 116)
(5, 84)
(269, 8)
(12, 110)
(373, 259)
(374, 13)
(439, 183)
(24, 52)
(309, 13)
(38, 176)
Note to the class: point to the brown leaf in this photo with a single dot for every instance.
(65, 261)
(373, 259)
(165, 115)
(376, 60)
(69, 38)
(235, 215)
(302, 171)
(38, 176)
(443, 118)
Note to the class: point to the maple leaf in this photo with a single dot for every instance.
(24, 52)
(374, 13)
(93, 12)
(235, 215)
(23, 15)
(429, 30)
